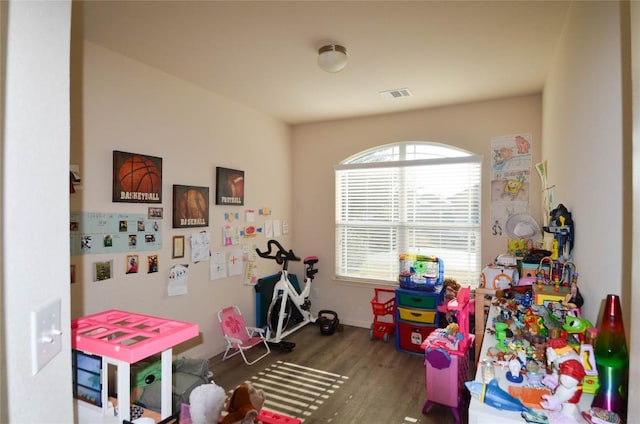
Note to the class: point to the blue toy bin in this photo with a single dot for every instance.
(418, 283)
(420, 272)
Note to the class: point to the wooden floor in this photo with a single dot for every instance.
(342, 378)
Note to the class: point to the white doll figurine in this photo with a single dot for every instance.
(567, 394)
(514, 375)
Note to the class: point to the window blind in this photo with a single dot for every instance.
(428, 206)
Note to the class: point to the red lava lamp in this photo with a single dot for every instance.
(612, 360)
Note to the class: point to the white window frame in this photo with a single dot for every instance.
(392, 223)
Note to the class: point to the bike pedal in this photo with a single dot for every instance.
(282, 345)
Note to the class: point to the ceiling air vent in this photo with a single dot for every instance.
(395, 94)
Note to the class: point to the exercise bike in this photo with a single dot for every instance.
(289, 310)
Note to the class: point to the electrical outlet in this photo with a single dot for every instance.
(46, 334)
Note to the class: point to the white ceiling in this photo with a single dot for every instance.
(263, 53)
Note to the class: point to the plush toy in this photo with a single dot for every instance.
(451, 288)
(244, 405)
(206, 403)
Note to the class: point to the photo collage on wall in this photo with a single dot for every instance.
(137, 178)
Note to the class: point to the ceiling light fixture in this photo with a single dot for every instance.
(332, 58)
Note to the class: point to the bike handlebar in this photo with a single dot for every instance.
(281, 256)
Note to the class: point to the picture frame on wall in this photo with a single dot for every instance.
(152, 264)
(178, 247)
(155, 213)
(102, 270)
(190, 206)
(133, 264)
(137, 178)
(229, 186)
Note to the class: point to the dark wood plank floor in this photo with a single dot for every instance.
(342, 378)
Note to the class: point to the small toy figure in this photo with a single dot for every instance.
(450, 287)
(574, 299)
(514, 375)
(562, 227)
(571, 372)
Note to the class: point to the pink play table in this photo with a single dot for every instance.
(123, 338)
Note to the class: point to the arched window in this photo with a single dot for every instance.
(413, 197)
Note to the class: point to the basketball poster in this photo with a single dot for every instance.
(190, 206)
(229, 187)
(136, 178)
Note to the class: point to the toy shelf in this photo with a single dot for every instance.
(122, 338)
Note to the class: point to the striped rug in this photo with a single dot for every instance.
(296, 390)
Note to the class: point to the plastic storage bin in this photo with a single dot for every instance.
(420, 272)
(416, 317)
(411, 336)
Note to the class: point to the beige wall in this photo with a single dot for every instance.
(583, 144)
(131, 107)
(590, 139)
(318, 147)
(35, 255)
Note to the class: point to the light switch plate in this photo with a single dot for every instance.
(46, 334)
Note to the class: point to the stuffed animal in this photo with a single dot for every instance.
(451, 288)
(206, 403)
(244, 405)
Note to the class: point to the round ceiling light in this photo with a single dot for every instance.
(332, 58)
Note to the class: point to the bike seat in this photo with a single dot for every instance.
(310, 260)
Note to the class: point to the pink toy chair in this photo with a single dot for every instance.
(239, 336)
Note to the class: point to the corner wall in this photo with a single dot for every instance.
(318, 147)
(583, 145)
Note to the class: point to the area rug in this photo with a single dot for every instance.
(296, 390)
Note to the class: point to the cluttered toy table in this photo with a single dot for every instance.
(122, 338)
(532, 367)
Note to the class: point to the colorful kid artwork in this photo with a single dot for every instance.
(251, 273)
(268, 229)
(200, 243)
(235, 263)
(250, 231)
(178, 279)
(230, 235)
(217, 266)
(510, 178)
(231, 217)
